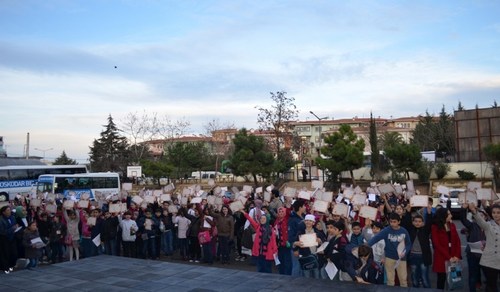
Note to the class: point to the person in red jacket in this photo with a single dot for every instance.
(264, 245)
(446, 244)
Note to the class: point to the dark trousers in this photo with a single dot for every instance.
(57, 251)
(263, 265)
(207, 252)
(183, 247)
(285, 258)
(474, 270)
(224, 248)
(149, 248)
(129, 249)
(491, 278)
(441, 280)
(110, 247)
(8, 253)
(194, 248)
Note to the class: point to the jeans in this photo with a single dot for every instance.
(474, 270)
(296, 270)
(285, 258)
(314, 273)
(263, 265)
(167, 242)
(33, 263)
(419, 271)
(110, 247)
(149, 248)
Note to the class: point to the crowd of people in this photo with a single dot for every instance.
(399, 247)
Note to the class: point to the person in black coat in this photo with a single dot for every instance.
(420, 256)
(8, 250)
(109, 233)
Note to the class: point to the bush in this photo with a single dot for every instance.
(466, 175)
(424, 171)
(441, 169)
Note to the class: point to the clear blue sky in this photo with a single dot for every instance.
(204, 60)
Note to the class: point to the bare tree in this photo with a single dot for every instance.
(140, 128)
(221, 147)
(277, 118)
(169, 129)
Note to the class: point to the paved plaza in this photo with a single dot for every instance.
(109, 273)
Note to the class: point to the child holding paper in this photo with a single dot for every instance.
(335, 250)
(309, 251)
(420, 257)
(397, 246)
(33, 244)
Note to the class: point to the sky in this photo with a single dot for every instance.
(205, 60)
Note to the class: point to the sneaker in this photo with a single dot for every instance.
(197, 261)
(11, 269)
(191, 261)
(7, 272)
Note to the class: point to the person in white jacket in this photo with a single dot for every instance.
(182, 228)
(129, 228)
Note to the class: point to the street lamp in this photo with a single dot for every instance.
(320, 138)
(319, 119)
(43, 151)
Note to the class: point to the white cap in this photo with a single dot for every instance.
(310, 217)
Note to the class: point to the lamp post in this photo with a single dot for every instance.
(43, 151)
(320, 138)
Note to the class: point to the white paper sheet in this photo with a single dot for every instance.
(322, 247)
(476, 247)
(97, 240)
(331, 270)
(308, 240)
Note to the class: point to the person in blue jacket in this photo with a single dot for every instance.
(397, 245)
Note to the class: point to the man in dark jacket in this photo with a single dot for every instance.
(295, 220)
(420, 256)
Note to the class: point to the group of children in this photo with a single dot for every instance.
(346, 248)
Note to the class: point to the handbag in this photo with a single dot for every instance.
(454, 277)
(68, 239)
(247, 237)
(204, 237)
(309, 262)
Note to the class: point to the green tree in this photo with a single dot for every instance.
(156, 169)
(492, 153)
(344, 152)
(404, 158)
(375, 156)
(437, 135)
(251, 156)
(63, 159)
(186, 157)
(110, 151)
(277, 119)
(389, 139)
